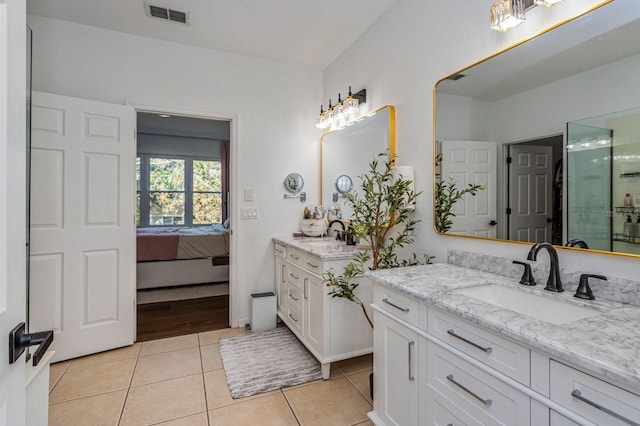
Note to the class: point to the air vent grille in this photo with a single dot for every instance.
(456, 77)
(166, 13)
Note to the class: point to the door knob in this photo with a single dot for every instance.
(493, 223)
(19, 340)
(549, 220)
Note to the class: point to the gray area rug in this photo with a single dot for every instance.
(265, 361)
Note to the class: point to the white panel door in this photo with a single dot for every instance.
(82, 224)
(473, 162)
(12, 208)
(530, 193)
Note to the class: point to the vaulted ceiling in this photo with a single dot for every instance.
(312, 33)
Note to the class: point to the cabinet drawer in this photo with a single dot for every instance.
(583, 394)
(485, 398)
(279, 250)
(294, 297)
(294, 318)
(397, 304)
(312, 264)
(502, 354)
(294, 256)
(295, 276)
(441, 411)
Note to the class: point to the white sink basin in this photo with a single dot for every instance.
(548, 309)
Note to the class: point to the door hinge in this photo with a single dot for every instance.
(508, 210)
(508, 160)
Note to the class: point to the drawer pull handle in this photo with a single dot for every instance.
(293, 297)
(486, 402)
(312, 265)
(292, 317)
(294, 276)
(475, 345)
(410, 350)
(578, 395)
(294, 256)
(280, 251)
(405, 310)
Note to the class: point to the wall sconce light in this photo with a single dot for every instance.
(506, 14)
(344, 112)
(547, 3)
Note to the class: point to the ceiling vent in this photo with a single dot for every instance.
(456, 77)
(166, 13)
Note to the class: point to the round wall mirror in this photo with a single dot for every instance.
(293, 183)
(344, 184)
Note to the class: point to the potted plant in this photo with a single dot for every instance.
(382, 220)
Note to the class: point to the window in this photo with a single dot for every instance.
(178, 191)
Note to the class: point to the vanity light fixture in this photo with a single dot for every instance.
(344, 112)
(547, 3)
(322, 122)
(506, 14)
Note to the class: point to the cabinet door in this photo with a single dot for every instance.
(314, 312)
(560, 420)
(395, 372)
(281, 284)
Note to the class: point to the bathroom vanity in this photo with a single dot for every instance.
(454, 345)
(331, 328)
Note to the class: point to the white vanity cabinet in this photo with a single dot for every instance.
(396, 372)
(331, 328)
(420, 379)
(461, 373)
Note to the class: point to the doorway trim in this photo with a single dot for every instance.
(233, 159)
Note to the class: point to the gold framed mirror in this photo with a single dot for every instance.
(515, 114)
(349, 150)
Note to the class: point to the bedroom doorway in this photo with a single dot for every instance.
(182, 223)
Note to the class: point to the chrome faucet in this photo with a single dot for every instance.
(553, 282)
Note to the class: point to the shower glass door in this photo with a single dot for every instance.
(589, 208)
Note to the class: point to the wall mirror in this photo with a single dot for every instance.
(344, 184)
(347, 152)
(526, 123)
(293, 183)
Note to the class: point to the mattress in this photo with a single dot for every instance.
(171, 243)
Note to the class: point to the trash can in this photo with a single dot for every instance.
(263, 311)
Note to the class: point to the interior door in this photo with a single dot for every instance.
(530, 193)
(12, 207)
(473, 162)
(82, 224)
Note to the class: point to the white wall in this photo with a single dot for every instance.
(273, 106)
(400, 59)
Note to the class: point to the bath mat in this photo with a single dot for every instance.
(265, 361)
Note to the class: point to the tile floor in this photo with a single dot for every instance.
(180, 381)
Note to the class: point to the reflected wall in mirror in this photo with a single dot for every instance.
(347, 152)
(509, 122)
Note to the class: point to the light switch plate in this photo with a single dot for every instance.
(248, 194)
(248, 213)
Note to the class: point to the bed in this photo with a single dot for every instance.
(174, 256)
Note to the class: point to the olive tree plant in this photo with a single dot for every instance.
(382, 221)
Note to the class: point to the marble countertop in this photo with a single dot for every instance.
(607, 344)
(324, 248)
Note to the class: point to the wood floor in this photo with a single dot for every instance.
(177, 318)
